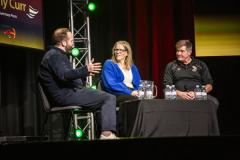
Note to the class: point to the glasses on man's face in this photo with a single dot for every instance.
(119, 50)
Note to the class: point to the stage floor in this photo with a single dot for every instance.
(224, 147)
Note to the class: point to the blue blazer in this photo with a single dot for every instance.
(112, 78)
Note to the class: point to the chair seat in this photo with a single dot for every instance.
(57, 109)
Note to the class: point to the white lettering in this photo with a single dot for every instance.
(14, 16)
(4, 14)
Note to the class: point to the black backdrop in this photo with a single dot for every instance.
(20, 112)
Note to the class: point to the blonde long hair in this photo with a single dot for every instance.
(128, 60)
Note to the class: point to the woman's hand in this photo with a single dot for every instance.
(134, 93)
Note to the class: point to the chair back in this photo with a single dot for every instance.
(45, 102)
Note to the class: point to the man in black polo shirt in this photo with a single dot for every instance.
(186, 72)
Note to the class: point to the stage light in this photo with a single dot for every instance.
(75, 52)
(78, 133)
(91, 6)
(94, 87)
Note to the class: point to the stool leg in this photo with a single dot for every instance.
(73, 126)
(92, 129)
(75, 121)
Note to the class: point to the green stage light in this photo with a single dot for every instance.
(78, 133)
(75, 52)
(94, 87)
(91, 6)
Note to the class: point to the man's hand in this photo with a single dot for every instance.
(94, 68)
(189, 95)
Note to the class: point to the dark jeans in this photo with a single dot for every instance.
(95, 99)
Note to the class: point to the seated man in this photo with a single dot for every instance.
(64, 85)
(186, 72)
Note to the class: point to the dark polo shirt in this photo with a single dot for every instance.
(186, 77)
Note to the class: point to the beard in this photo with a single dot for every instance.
(68, 49)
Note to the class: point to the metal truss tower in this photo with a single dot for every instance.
(79, 25)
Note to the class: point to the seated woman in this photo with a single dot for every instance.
(119, 74)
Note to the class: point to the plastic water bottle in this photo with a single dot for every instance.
(173, 92)
(167, 92)
(141, 91)
(198, 92)
(204, 93)
(148, 92)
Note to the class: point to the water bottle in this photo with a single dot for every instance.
(141, 91)
(173, 92)
(167, 92)
(204, 93)
(198, 93)
(148, 91)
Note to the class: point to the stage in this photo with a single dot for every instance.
(224, 147)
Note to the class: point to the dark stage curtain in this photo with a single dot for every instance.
(19, 112)
(153, 28)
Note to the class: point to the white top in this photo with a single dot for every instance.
(128, 77)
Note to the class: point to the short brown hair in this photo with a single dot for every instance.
(186, 43)
(59, 35)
